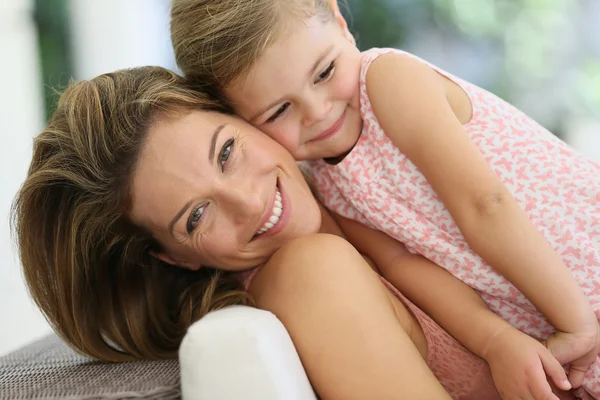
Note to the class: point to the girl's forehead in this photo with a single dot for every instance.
(292, 59)
(296, 50)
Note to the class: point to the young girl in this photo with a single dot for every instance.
(443, 166)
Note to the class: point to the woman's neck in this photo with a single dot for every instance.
(328, 224)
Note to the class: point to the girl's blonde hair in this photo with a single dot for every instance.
(217, 41)
(86, 264)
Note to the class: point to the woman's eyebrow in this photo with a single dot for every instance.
(211, 156)
(213, 142)
(178, 215)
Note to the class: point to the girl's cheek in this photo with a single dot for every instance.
(348, 81)
(283, 136)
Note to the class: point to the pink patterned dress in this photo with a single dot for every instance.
(464, 375)
(558, 188)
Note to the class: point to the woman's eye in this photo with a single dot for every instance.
(225, 152)
(279, 112)
(326, 73)
(194, 218)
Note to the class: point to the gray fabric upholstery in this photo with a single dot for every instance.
(49, 369)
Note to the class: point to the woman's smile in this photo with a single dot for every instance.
(243, 195)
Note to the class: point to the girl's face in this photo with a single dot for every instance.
(215, 191)
(303, 91)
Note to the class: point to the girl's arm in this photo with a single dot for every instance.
(342, 322)
(410, 102)
(519, 364)
(517, 361)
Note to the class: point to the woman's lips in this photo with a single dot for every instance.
(268, 211)
(283, 218)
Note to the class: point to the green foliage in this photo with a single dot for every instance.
(526, 44)
(51, 17)
(374, 23)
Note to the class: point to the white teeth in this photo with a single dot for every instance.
(275, 214)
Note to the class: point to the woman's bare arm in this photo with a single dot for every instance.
(343, 323)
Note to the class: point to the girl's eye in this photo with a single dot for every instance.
(225, 152)
(194, 218)
(279, 112)
(326, 73)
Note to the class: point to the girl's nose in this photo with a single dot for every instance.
(316, 108)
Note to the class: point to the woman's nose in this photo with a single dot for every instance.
(243, 202)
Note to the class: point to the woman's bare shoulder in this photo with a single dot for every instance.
(301, 259)
(326, 295)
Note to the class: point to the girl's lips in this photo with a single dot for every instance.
(333, 130)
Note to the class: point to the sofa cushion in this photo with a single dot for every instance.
(49, 369)
(240, 352)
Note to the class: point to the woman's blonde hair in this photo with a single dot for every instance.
(216, 42)
(86, 264)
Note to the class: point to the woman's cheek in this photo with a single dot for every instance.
(220, 252)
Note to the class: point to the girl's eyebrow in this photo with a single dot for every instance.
(319, 60)
(265, 109)
(310, 73)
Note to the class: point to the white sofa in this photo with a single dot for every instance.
(241, 353)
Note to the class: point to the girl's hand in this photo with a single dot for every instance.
(519, 366)
(579, 350)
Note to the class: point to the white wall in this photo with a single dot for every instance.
(114, 34)
(21, 116)
(106, 35)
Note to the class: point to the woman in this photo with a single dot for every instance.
(137, 184)
(84, 213)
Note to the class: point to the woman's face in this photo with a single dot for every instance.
(213, 190)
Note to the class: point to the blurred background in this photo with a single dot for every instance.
(541, 55)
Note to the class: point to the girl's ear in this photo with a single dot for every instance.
(164, 257)
(334, 6)
(341, 21)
